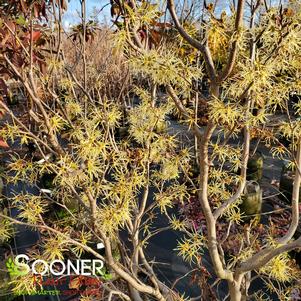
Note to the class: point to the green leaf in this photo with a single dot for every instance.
(21, 21)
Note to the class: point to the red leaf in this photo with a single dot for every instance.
(36, 35)
(3, 144)
(75, 283)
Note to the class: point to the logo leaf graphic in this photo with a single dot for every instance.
(13, 270)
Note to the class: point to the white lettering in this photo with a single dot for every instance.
(22, 267)
(84, 267)
(74, 269)
(57, 273)
(43, 263)
(97, 266)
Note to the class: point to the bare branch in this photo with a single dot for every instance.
(245, 157)
(295, 200)
(182, 110)
(233, 52)
(202, 47)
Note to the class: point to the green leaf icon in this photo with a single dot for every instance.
(13, 269)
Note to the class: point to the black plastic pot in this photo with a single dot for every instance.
(286, 184)
(46, 181)
(121, 132)
(13, 100)
(285, 141)
(255, 167)
(294, 97)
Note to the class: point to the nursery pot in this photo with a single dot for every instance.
(255, 167)
(122, 132)
(252, 199)
(46, 181)
(160, 127)
(286, 141)
(13, 100)
(286, 184)
(294, 97)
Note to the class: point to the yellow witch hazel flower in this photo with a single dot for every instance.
(57, 123)
(54, 247)
(31, 208)
(24, 285)
(113, 217)
(145, 120)
(233, 214)
(170, 170)
(166, 199)
(177, 224)
(66, 83)
(190, 247)
(280, 268)
(73, 108)
(6, 230)
(165, 68)
(223, 112)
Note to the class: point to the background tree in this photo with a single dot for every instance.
(100, 176)
(90, 182)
